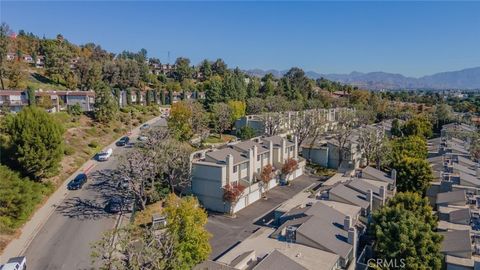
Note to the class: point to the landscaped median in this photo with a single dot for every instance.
(20, 196)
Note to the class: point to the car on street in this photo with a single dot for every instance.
(114, 205)
(77, 182)
(142, 138)
(123, 141)
(145, 127)
(105, 155)
(16, 263)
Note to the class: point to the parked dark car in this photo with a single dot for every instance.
(114, 205)
(123, 141)
(77, 182)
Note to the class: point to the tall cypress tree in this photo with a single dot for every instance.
(170, 96)
(162, 97)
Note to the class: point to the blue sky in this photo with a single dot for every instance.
(411, 38)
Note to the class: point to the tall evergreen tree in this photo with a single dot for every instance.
(36, 142)
(106, 107)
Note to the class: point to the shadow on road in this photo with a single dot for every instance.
(82, 209)
(102, 185)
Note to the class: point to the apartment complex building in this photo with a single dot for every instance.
(455, 196)
(15, 100)
(241, 164)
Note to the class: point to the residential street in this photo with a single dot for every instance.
(228, 231)
(64, 240)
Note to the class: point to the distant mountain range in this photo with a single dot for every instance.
(462, 79)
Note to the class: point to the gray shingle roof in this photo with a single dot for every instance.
(278, 261)
(327, 234)
(363, 186)
(460, 214)
(350, 195)
(452, 196)
(212, 265)
(246, 145)
(277, 141)
(374, 174)
(469, 178)
(455, 241)
(464, 169)
(466, 161)
(220, 155)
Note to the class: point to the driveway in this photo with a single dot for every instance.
(228, 231)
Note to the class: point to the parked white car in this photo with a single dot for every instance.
(105, 155)
(16, 263)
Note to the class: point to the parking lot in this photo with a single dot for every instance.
(228, 231)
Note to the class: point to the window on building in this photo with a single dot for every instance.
(243, 166)
(258, 157)
(235, 168)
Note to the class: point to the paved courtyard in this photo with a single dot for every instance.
(228, 231)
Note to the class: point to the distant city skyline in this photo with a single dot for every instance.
(410, 38)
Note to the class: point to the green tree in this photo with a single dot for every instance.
(181, 245)
(179, 122)
(411, 146)
(4, 45)
(18, 198)
(419, 126)
(252, 88)
(206, 69)
(31, 96)
(255, 105)
(186, 222)
(89, 73)
(443, 114)
(148, 97)
(57, 60)
(36, 142)
(162, 97)
(237, 109)
(413, 175)
(170, 96)
(401, 232)
(17, 75)
(183, 70)
(234, 87)
(268, 87)
(213, 91)
(246, 133)
(219, 67)
(106, 106)
(221, 117)
(396, 129)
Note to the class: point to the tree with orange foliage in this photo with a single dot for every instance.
(289, 167)
(265, 177)
(231, 194)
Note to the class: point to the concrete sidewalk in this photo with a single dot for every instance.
(18, 246)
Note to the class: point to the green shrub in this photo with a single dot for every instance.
(68, 150)
(246, 133)
(18, 198)
(93, 144)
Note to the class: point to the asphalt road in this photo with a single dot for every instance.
(64, 242)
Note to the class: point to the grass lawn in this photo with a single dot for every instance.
(215, 138)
